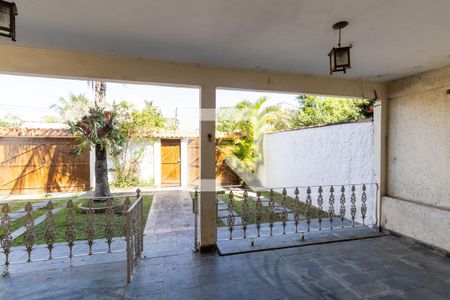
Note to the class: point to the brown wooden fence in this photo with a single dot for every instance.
(37, 165)
(224, 175)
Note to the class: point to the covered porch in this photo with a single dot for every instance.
(273, 47)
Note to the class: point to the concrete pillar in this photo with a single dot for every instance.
(207, 202)
(184, 162)
(380, 152)
(157, 163)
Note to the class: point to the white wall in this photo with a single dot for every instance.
(338, 154)
(418, 163)
(330, 155)
(147, 165)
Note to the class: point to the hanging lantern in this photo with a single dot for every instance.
(340, 56)
(8, 13)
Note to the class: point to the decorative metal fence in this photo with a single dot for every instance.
(132, 230)
(195, 248)
(292, 210)
(134, 235)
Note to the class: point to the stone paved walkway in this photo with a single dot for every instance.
(37, 221)
(170, 225)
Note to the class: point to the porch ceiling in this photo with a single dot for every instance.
(391, 38)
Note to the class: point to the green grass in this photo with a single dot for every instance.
(278, 198)
(238, 208)
(18, 223)
(290, 203)
(15, 205)
(80, 220)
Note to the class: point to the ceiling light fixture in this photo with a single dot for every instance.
(8, 13)
(340, 56)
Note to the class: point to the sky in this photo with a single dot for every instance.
(31, 98)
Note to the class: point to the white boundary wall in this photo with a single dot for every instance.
(329, 155)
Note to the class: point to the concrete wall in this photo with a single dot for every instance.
(147, 167)
(150, 166)
(331, 155)
(418, 158)
(338, 154)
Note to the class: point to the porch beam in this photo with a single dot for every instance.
(65, 64)
(207, 201)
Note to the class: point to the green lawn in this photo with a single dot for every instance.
(14, 206)
(290, 203)
(80, 219)
(278, 198)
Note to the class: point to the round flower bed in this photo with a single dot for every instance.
(101, 206)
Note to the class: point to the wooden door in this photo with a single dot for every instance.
(170, 163)
(193, 162)
(42, 165)
(224, 175)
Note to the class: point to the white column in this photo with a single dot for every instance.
(184, 162)
(380, 152)
(207, 205)
(157, 163)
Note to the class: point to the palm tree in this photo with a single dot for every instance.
(251, 120)
(73, 107)
(95, 127)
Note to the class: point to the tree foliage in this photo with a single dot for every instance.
(11, 121)
(135, 125)
(138, 124)
(98, 127)
(250, 120)
(322, 111)
(72, 108)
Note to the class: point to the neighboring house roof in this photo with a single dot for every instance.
(60, 132)
(193, 135)
(33, 132)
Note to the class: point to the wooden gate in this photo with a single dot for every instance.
(193, 162)
(42, 165)
(224, 175)
(170, 163)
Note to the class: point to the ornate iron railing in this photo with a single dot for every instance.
(134, 235)
(132, 230)
(195, 248)
(279, 211)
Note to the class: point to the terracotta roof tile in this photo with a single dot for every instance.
(61, 132)
(33, 132)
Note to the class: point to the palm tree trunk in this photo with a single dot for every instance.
(101, 173)
(100, 93)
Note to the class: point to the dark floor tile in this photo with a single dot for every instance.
(423, 293)
(358, 278)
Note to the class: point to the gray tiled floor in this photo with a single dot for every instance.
(376, 268)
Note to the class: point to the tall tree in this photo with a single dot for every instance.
(327, 110)
(96, 127)
(136, 125)
(251, 120)
(11, 121)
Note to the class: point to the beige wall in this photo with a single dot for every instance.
(418, 158)
(30, 61)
